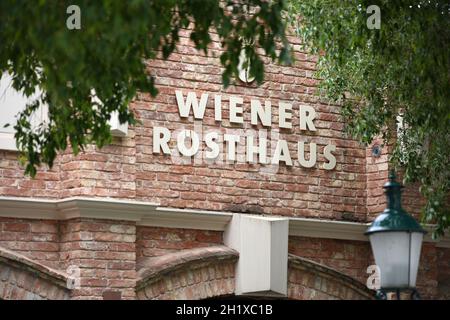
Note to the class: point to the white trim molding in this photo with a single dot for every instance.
(152, 214)
(143, 213)
(77, 207)
(344, 230)
(187, 219)
(329, 229)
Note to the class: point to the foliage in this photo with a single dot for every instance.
(86, 74)
(401, 69)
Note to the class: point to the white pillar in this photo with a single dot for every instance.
(262, 243)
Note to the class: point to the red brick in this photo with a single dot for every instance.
(16, 226)
(193, 196)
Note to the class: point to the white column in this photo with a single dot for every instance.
(262, 243)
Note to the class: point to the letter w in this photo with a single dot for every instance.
(184, 108)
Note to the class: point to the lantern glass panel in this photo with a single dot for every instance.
(397, 255)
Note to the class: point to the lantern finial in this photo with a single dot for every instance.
(394, 217)
(392, 175)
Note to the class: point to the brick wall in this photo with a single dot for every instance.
(412, 200)
(107, 251)
(427, 277)
(377, 170)
(36, 239)
(106, 172)
(241, 187)
(129, 169)
(349, 257)
(46, 184)
(151, 242)
(443, 278)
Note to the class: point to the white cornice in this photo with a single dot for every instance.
(11, 207)
(187, 219)
(151, 214)
(77, 207)
(104, 209)
(329, 229)
(143, 213)
(344, 230)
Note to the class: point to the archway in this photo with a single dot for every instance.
(198, 273)
(309, 280)
(208, 272)
(23, 279)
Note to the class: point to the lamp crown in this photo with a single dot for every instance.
(393, 191)
(394, 218)
(392, 176)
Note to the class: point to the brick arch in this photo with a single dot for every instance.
(198, 273)
(308, 280)
(23, 279)
(202, 273)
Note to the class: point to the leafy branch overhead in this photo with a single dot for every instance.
(106, 57)
(397, 74)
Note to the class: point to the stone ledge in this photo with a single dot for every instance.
(153, 268)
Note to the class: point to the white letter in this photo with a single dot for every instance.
(231, 141)
(281, 153)
(191, 100)
(210, 143)
(312, 154)
(263, 114)
(73, 21)
(161, 142)
(235, 110)
(329, 156)
(188, 152)
(374, 21)
(307, 115)
(284, 117)
(261, 149)
(218, 108)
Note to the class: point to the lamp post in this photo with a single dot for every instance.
(396, 240)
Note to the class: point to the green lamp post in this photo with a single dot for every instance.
(396, 240)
